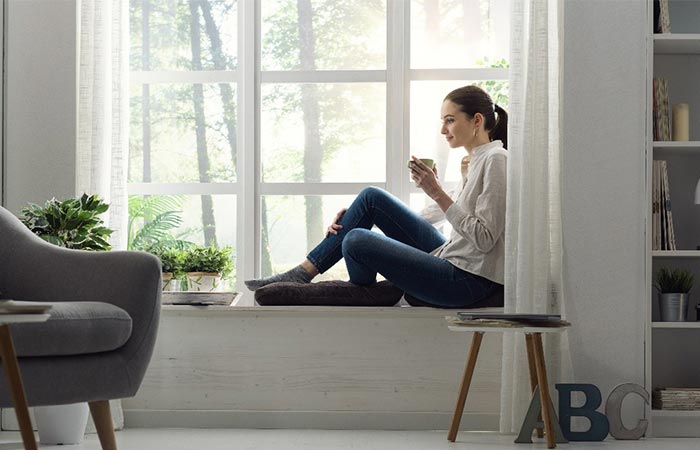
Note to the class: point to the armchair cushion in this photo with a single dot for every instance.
(74, 328)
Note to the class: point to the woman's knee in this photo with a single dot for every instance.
(357, 240)
(372, 193)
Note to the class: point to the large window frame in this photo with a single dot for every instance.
(248, 77)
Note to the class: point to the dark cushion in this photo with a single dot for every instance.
(74, 328)
(328, 293)
(495, 300)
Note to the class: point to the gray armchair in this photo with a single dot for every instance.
(99, 339)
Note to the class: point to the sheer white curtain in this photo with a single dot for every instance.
(533, 265)
(103, 109)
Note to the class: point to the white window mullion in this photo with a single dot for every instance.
(184, 188)
(248, 211)
(398, 93)
(324, 76)
(315, 188)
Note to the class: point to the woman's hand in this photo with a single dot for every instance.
(335, 226)
(425, 178)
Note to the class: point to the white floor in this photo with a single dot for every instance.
(217, 439)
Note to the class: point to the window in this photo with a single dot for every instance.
(264, 117)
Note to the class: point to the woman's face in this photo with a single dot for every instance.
(457, 127)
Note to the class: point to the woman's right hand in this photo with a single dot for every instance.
(335, 226)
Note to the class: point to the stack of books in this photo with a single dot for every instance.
(661, 117)
(468, 318)
(678, 399)
(22, 307)
(663, 236)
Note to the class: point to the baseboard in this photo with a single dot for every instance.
(8, 418)
(324, 420)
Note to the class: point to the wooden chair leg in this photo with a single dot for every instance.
(466, 381)
(14, 379)
(544, 389)
(533, 372)
(102, 417)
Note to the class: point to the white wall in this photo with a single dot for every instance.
(603, 202)
(603, 164)
(41, 101)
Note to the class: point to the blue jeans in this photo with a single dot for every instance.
(402, 255)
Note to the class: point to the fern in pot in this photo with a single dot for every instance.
(206, 267)
(673, 286)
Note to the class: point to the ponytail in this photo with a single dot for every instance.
(500, 130)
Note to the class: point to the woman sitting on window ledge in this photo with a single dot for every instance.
(413, 255)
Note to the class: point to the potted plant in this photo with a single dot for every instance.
(72, 223)
(171, 261)
(76, 224)
(206, 266)
(673, 286)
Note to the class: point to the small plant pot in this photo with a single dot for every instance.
(61, 424)
(170, 283)
(204, 282)
(673, 307)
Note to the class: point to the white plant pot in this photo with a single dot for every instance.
(61, 424)
(170, 284)
(204, 282)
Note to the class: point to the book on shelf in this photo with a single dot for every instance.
(664, 25)
(676, 399)
(661, 115)
(663, 235)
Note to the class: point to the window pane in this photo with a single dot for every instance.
(459, 34)
(293, 225)
(211, 224)
(337, 35)
(169, 39)
(426, 140)
(163, 141)
(323, 132)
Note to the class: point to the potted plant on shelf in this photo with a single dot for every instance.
(673, 286)
(206, 267)
(171, 260)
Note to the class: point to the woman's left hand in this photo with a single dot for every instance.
(425, 177)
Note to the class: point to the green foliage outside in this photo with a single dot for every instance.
(497, 89)
(208, 260)
(676, 281)
(153, 221)
(72, 223)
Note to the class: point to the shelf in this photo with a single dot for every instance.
(676, 254)
(676, 147)
(671, 413)
(678, 325)
(676, 44)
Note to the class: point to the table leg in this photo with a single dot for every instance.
(9, 362)
(466, 381)
(544, 389)
(533, 372)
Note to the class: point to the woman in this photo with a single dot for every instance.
(413, 254)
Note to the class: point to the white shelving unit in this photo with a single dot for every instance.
(672, 359)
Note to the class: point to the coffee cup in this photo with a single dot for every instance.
(427, 161)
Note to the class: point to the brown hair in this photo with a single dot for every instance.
(471, 100)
